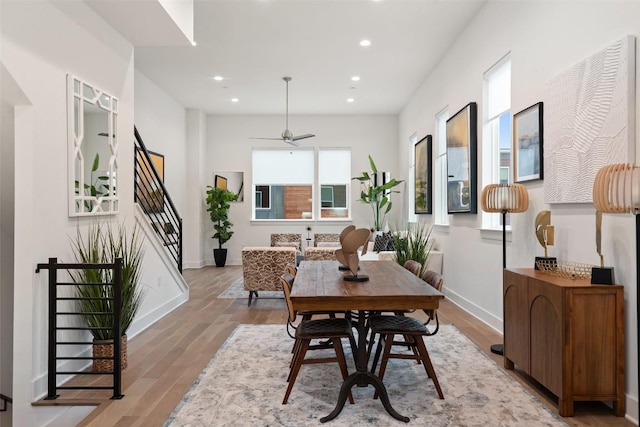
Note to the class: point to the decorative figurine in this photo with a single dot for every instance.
(544, 233)
(601, 275)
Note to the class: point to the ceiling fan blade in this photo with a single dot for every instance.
(292, 142)
(306, 135)
(270, 139)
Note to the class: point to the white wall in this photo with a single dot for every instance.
(544, 38)
(84, 45)
(161, 122)
(229, 149)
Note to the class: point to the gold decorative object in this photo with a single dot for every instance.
(544, 230)
(568, 270)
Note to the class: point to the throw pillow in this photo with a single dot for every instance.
(391, 243)
(380, 243)
(289, 244)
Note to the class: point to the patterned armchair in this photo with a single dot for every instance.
(263, 266)
(326, 240)
(287, 240)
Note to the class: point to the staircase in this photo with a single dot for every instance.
(153, 197)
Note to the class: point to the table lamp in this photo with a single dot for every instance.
(616, 189)
(504, 198)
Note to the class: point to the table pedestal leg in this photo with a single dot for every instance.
(363, 378)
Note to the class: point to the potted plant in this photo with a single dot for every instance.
(413, 243)
(218, 204)
(376, 196)
(103, 244)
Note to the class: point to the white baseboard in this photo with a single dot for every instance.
(479, 313)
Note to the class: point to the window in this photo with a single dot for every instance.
(411, 185)
(334, 177)
(440, 182)
(285, 183)
(496, 158)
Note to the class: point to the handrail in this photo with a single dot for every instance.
(5, 400)
(54, 340)
(154, 199)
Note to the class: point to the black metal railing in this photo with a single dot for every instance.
(5, 400)
(152, 196)
(55, 313)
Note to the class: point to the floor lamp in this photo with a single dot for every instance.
(616, 189)
(504, 198)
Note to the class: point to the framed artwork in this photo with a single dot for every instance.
(527, 144)
(149, 188)
(423, 161)
(232, 181)
(220, 182)
(462, 159)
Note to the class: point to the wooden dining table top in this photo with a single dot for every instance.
(319, 285)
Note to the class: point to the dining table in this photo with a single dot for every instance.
(319, 285)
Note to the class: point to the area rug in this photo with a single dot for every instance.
(245, 381)
(236, 290)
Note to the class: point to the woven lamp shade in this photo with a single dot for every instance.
(505, 198)
(616, 189)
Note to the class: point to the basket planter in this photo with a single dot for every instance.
(104, 348)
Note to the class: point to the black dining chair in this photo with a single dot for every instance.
(387, 327)
(331, 329)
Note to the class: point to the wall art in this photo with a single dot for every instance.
(589, 122)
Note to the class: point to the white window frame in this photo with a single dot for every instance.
(411, 185)
(316, 206)
(440, 210)
(491, 139)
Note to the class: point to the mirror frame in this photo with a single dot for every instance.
(80, 92)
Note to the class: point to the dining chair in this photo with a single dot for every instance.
(387, 327)
(291, 268)
(413, 266)
(333, 329)
(437, 281)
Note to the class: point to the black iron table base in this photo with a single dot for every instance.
(363, 378)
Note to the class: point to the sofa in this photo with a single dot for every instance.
(434, 261)
(263, 266)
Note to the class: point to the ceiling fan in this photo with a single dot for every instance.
(287, 135)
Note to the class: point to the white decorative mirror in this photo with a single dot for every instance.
(93, 149)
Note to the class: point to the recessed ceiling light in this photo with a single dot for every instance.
(365, 43)
(218, 78)
(235, 100)
(355, 78)
(350, 99)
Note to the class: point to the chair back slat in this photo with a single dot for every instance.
(287, 284)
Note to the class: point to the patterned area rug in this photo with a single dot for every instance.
(244, 384)
(236, 290)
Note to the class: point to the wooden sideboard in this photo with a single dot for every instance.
(566, 334)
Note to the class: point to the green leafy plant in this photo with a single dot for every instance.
(218, 204)
(376, 196)
(98, 188)
(103, 244)
(413, 243)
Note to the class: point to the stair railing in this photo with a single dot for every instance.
(152, 196)
(56, 312)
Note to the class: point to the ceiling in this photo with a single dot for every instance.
(254, 43)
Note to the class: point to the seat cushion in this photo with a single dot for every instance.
(396, 325)
(324, 328)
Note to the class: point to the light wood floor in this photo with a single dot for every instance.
(165, 359)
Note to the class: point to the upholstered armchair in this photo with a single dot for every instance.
(326, 240)
(287, 240)
(263, 266)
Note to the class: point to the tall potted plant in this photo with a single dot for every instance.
(218, 204)
(376, 196)
(103, 244)
(413, 243)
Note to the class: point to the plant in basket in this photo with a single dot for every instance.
(103, 244)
